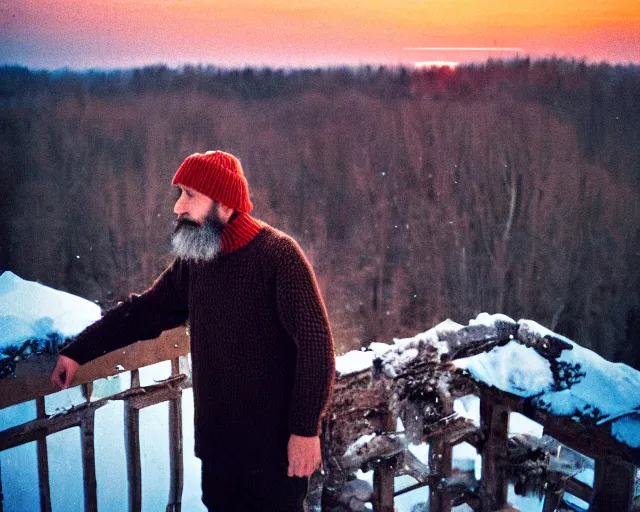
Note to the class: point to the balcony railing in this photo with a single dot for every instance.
(362, 404)
(32, 383)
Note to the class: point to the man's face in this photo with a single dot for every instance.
(192, 205)
(198, 231)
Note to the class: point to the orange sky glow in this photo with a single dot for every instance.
(306, 33)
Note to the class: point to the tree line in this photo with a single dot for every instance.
(419, 195)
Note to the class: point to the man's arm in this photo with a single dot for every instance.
(304, 316)
(140, 317)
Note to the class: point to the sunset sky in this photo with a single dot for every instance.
(122, 33)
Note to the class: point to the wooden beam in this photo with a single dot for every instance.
(169, 392)
(431, 480)
(38, 429)
(552, 497)
(32, 375)
(175, 366)
(89, 462)
(440, 463)
(613, 485)
(494, 422)
(383, 475)
(135, 378)
(83, 416)
(132, 449)
(87, 390)
(42, 427)
(579, 489)
(382, 499)
(441, 457)
(593, 441)
(176, 470)
(43, 462)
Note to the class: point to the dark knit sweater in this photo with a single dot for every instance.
(262, 351)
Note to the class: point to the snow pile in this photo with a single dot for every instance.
(490, 320)
(433, 345)
(502, 368)
(31, 312)
(577, 383)
(354, 362)
(392, 358)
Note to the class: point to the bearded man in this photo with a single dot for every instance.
(261, 345)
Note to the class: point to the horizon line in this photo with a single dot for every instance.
(465, 48)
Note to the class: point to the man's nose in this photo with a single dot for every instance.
(179, 208)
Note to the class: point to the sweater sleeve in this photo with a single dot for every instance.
(304, 316)
(141, 317)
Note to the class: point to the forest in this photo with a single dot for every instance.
(417, 194)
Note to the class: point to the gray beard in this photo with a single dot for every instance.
(192, 241)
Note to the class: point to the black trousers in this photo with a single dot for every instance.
(230, 488)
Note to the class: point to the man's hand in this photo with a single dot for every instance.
(304, 455)
(64, 372)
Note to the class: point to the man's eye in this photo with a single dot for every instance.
(180, 193)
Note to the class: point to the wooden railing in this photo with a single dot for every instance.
(367, 402)
(32, 382)
(363, 403)
(615, 462)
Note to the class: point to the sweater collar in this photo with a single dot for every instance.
(239, 231)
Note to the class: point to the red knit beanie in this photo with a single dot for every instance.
(218, 175)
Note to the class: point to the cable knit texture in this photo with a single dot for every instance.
(262, 350)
